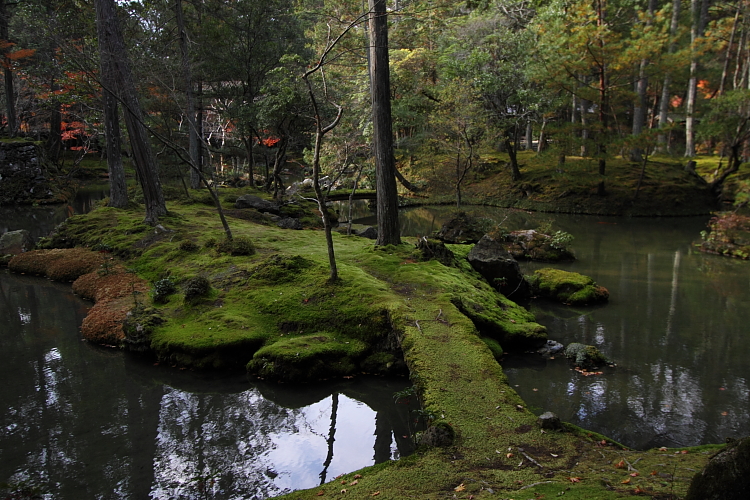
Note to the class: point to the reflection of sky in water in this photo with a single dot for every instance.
(87, 422)
(251, 446)
(354, 440)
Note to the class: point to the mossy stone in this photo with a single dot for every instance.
(585, 356)
(567, 287)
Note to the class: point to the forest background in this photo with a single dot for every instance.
(220, 84)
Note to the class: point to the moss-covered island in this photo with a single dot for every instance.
(264, 302)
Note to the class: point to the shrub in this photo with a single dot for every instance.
(196, 288)
(188, 246)
(163, 289)
(237, 246)
(210, 243)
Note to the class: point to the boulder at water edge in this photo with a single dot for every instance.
(15, 242)
(566, 287)
(727, 475)
(462, 228)
(490, 259)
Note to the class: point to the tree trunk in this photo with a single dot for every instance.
(143, 156)
(193, 146)
(664, 102)
(118, 190)
(10, 98)
(515, 173)
(529, 136)
(699, 14)
(639, 111)
(389, 232)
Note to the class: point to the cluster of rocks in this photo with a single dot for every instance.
(24, 175)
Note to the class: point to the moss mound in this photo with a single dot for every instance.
(307, 357)
(566, 287)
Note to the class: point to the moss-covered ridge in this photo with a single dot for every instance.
(259, 304)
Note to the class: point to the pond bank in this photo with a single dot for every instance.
(498, 447)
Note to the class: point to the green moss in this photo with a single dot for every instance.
(585, 356)
(307, 358)
(501, 319)
(566, 287)
(265, 308)
(494, 346)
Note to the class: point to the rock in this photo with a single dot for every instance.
(435, 250)
(15, 242)
(533, 245)
(369, 232)
(585, 356)
(261, 205)
(551, 348)
(490, 259)
(549, 420)
(289, 223)
(462, 228)
(726, 476)
(566, 287)
(437, 436)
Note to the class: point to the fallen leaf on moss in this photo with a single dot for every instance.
(627, 481)
(634, 474)
(574, 479)
(353, 483)
(357, 476)
(321, 493)
(374, 494)
(460, 487)
(620, 464)
(343, 492)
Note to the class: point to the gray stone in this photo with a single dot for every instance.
(551, 348)
(726, 476)
(587, 357)
(490, 259)
(369, 232)
(251, 201)
(289, 223)
(15, 242)
(549, 420)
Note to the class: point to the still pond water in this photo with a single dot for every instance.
(80, 421)
(86, 422)
(677, 326)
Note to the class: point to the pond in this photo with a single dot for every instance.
(676, 326)
(81, 421)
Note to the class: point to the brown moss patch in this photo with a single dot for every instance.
(115, 295)
(62, 264)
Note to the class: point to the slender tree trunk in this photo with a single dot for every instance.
(728, 55)
(389, 232)
(143, 156)
(584, 128)
(529, 136)
(665, 90)
(639, 111)
(193, 146)
(699, 13)
(118, 191)
(10, 98)
(515, 173)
